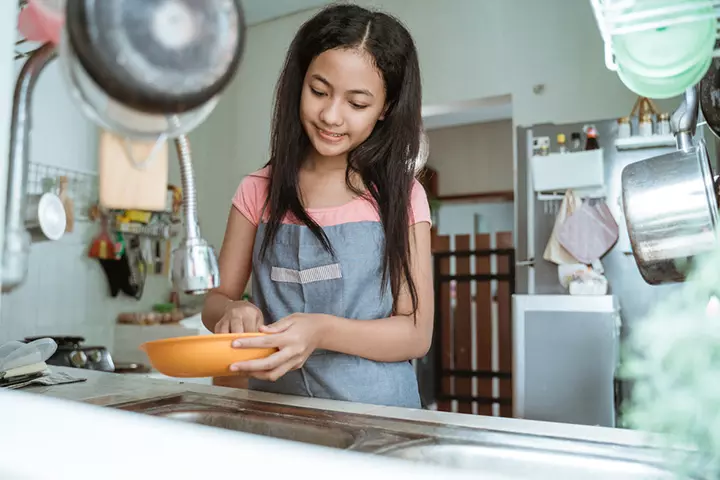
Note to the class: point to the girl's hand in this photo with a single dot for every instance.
(296, 337)
(240, 317)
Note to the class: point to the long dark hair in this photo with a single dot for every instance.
(385, 161)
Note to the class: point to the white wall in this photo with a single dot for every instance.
(469, 49)
(66, 292)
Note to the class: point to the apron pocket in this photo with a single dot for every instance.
(307, 276)
(322, 287)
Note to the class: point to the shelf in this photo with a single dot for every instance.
(82, 186)
(637, 142)
(159, 231)
(582, 193)
(557, 172)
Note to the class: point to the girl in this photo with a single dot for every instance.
(335, 229)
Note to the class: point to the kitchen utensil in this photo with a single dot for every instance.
(710, 96)
(115, 117)
(202, 355)
(146, 68)
(67, 202)
(125, 276)
(103, 246)
(167, 258)
(138, 267)
(671, 212)
(45, 216)
(663, 62)
(123, 183)
(668, 51)
(664, 86)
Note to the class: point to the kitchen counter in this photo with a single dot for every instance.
(117, 437)
(108, 388)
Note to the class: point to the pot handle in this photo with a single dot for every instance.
(684, 119)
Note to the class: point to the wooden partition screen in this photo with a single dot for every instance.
(474, 282)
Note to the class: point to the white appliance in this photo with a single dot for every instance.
(565, 356)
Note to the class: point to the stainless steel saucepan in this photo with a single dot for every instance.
(670, 203)
(671, 212)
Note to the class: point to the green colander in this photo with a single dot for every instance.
(670, 51)
(664, 87)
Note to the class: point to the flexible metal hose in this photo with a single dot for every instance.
(182, 145)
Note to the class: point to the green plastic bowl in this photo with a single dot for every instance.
(669, 51)
(664, 87)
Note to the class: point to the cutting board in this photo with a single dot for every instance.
(129, 177)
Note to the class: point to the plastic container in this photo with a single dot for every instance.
(202, 355)
(669, 51)
(663, 87)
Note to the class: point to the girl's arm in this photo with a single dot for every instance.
(234, 263)
(397, 338)
(394, 339)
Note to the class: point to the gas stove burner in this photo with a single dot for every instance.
(72, 353)
(63, 341)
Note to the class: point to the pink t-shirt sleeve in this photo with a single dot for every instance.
(419, 205)
(249, 198)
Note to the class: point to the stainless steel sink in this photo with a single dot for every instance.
(513, 455)
(525, 463)
(317, 427)
(270, 426)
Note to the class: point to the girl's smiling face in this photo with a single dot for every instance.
(343, 97)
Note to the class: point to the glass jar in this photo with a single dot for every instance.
(645, 126)
(663, 126)
(624, 127)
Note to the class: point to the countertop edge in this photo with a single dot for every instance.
(102, 388)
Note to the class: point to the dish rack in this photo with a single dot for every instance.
(612, 20)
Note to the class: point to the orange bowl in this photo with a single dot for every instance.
(201, 355)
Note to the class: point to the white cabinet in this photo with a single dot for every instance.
(556, 172)
(565, 354)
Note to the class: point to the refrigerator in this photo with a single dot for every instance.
(536, 387)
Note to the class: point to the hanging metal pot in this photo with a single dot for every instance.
(671, 211)
(670, 204)
(710, 96)
(151, 68)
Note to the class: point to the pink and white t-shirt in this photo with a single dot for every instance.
(250, 198)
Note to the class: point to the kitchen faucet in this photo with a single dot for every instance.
(16, 247)
(194, 270)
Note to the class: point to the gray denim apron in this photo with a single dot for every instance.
(299, 276)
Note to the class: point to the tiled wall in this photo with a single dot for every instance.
(66, 292)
